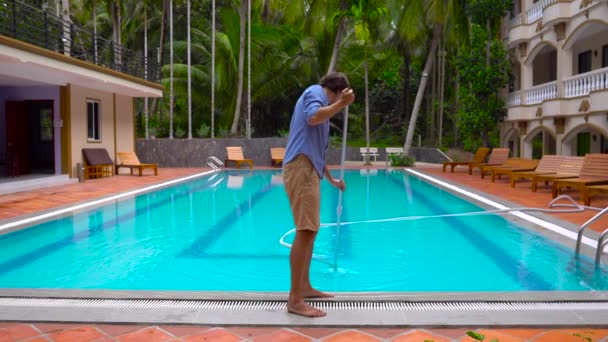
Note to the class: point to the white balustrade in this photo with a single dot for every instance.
(583, 84)
(514, 99)
(536, 11)
(540, 93)
(516, 20)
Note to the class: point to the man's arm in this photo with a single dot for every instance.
(325, 113)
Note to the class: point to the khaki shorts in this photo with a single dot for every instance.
(302, 184)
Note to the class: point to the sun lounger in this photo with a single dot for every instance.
(593, 172)
(548, 164)
(570, 167)
(593, 189)
(519, 166)
(97, 163)
(235, 154)
(497, 157)
(479, 157)
(507, 164)
(277, 154)
(129, 160)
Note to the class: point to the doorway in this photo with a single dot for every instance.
(30, 137)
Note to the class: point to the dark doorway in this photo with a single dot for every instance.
(30, 137)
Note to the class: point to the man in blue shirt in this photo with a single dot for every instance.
(303, 169)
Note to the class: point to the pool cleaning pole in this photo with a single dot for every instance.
(339, 207)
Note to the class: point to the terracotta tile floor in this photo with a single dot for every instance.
(127, 333)
(522, 195)
(12, 206)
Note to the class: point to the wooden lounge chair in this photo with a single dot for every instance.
(277, 154)
(570, 167)
(593, 172)
(507, 164)
(235, 154)
(520, 165)
(497, 157)
(97, 163)
(129, 160)
(479, 157)
(548, 164)
(593, 189)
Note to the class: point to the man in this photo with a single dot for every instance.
(304, 167)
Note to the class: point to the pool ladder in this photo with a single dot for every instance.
(215, 163)
(601, 242)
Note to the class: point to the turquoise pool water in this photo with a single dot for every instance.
(222, 233)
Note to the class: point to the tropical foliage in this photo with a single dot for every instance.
(402, 54)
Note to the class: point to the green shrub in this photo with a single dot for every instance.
(203, 131)
(402, 160)
(180, 133)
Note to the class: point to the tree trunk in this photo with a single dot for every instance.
(116, 29)
(212, 69)
(67, 25)
(431, 130)
(437, 31)
(489, 28)
(337, 41)
(163, 25)
(171, 69)
(189, 74)
(404, 100)
(95, 31)
(239, 90)
(146, 109)
(456, 104)
(367, 162)
(441, 91)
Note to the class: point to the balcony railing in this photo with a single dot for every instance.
(540, 93)
(536, 11)
(516, 20)
(514, 99)
(35, 26)
(583, 84)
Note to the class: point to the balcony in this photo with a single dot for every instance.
(536, 11)
(583, 84)
(28, 24)
(540, 93)
(514, 99)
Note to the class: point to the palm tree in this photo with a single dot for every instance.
(65, 15)
(212, 69)
(239, 87)
(439, 14)
(189, 76)
(366, 15)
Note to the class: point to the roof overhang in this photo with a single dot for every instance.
(27, 64)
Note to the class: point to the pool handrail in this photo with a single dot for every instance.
(215, 163)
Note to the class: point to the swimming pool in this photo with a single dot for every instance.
(221, 233)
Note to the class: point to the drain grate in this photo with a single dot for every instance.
(222, 305)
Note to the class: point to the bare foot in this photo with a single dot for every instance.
(313, 293)
(304, 309)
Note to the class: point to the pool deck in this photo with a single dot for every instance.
(17, 205)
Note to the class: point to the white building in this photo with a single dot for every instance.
(558, 97)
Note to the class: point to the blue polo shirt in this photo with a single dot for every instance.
(306, 139)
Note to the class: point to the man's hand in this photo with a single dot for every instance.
(347, 96)
(338, 184)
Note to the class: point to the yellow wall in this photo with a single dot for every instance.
(124, 125)
(78, 123)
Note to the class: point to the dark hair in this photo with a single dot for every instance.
(334, 81)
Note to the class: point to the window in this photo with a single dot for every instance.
(584, 62)
(605, 56)
(93, 121)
